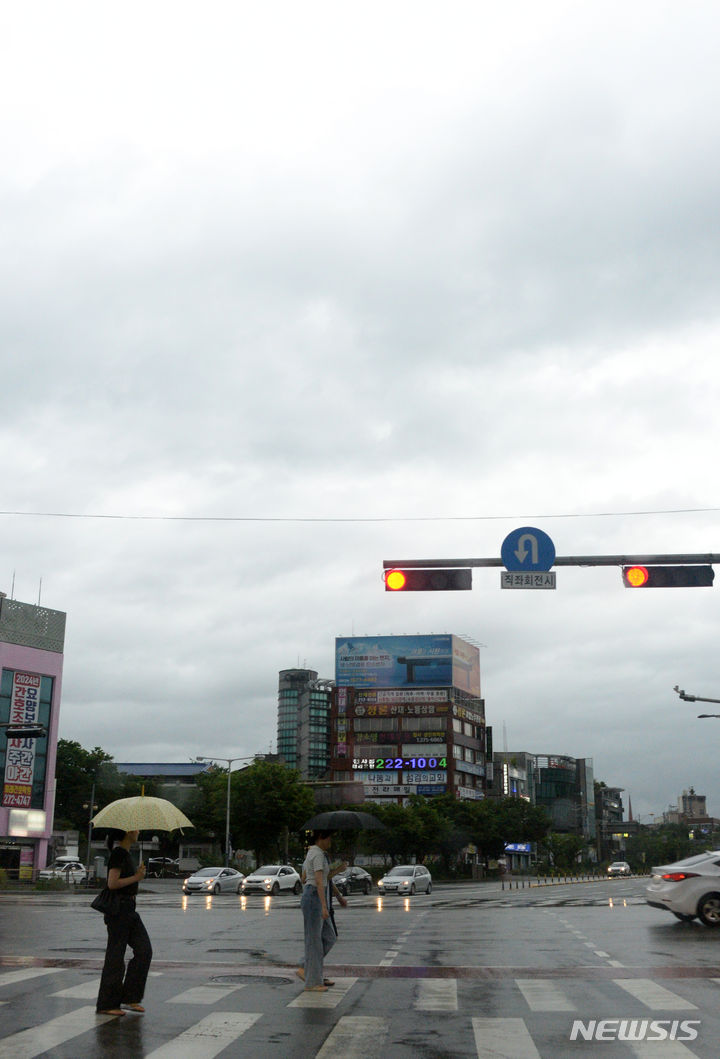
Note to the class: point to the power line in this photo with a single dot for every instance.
(359, 519)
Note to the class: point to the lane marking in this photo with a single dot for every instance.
(503, 1039)
(38, 1039)
(544, 995)
(204, 994)
(356, 1037)
(330, 999)
(437, 994)
(654, 996)
(11, 977)
(208, 1037)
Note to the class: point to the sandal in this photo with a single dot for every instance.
(301, 973)
(328, 981)
(315, 989)
(110, 1011)
(135, 1007)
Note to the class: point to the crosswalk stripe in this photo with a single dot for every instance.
(208, 1037)
(204, 994)
(437, 994)
(11, 977)
(668, 1049)
(356, 1037)
(542, 994)
(330, 999)
(89, 990)
(38, 1039)
(503, 1039)
(84, 991)
(654, 996)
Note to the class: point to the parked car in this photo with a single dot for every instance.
(619, 867)
(271, 879)
(72, 871)
(214, 881)
(158, 867)
(353, 880)
(406, 879)
(688, 888)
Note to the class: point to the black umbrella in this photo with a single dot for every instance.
(342, 820)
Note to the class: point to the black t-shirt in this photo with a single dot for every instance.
(120, 858)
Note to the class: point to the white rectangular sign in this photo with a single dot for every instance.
(424, 777)
(531, 579)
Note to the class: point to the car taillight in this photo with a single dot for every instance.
(679, 876)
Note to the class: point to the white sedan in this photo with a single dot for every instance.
(214, 881)
(70, 871)
(271, 879)
(406, 879)
(688, 888)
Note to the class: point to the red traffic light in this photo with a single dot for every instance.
(437, 580)
(635, 576)
(668, 576)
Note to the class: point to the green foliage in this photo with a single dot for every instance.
(76, 771)
(268, 802)
(443, 827)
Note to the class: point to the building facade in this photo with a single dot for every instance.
(565, 787)
(303, 728)
(32, 641)
(408, 718)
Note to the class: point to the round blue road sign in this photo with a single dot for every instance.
(527, 548)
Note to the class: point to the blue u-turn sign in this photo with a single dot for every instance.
(527, 548)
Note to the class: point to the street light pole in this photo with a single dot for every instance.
(229, 762)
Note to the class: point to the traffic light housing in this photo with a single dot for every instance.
(668, 576)
(438, 580)
(25, 731)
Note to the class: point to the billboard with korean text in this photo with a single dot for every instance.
(407, 662)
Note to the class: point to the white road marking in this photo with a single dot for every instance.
(542, 994)
(208, 1037)
(38, 1039)
(437, 994)
(11, 977)
(204, 994)
(654, 996)
(330, 999)
(356, 1037)
(503, 1039)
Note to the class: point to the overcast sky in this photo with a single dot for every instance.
(287, 290)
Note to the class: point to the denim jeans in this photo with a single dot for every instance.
(319, 936)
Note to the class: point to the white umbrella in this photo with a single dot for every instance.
(142, 813)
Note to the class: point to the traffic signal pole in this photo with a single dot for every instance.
(677, 559)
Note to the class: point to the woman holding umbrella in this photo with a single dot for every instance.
(120, 987)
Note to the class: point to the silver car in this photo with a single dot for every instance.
(271, 879)
(214, 881)
(688, 888)
(406, 879)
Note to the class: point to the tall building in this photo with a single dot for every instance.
(565, 787)
(32, 641)
(303, 730)
(408, 717)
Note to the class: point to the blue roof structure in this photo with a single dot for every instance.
(161, 768)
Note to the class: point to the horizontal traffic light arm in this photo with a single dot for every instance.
(679, 559)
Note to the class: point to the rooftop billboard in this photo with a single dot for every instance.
(407, 662)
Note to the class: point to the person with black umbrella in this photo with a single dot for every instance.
(319, 929)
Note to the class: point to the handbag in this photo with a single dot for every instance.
(107, 902)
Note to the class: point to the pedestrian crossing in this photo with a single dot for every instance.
(50, 1012)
